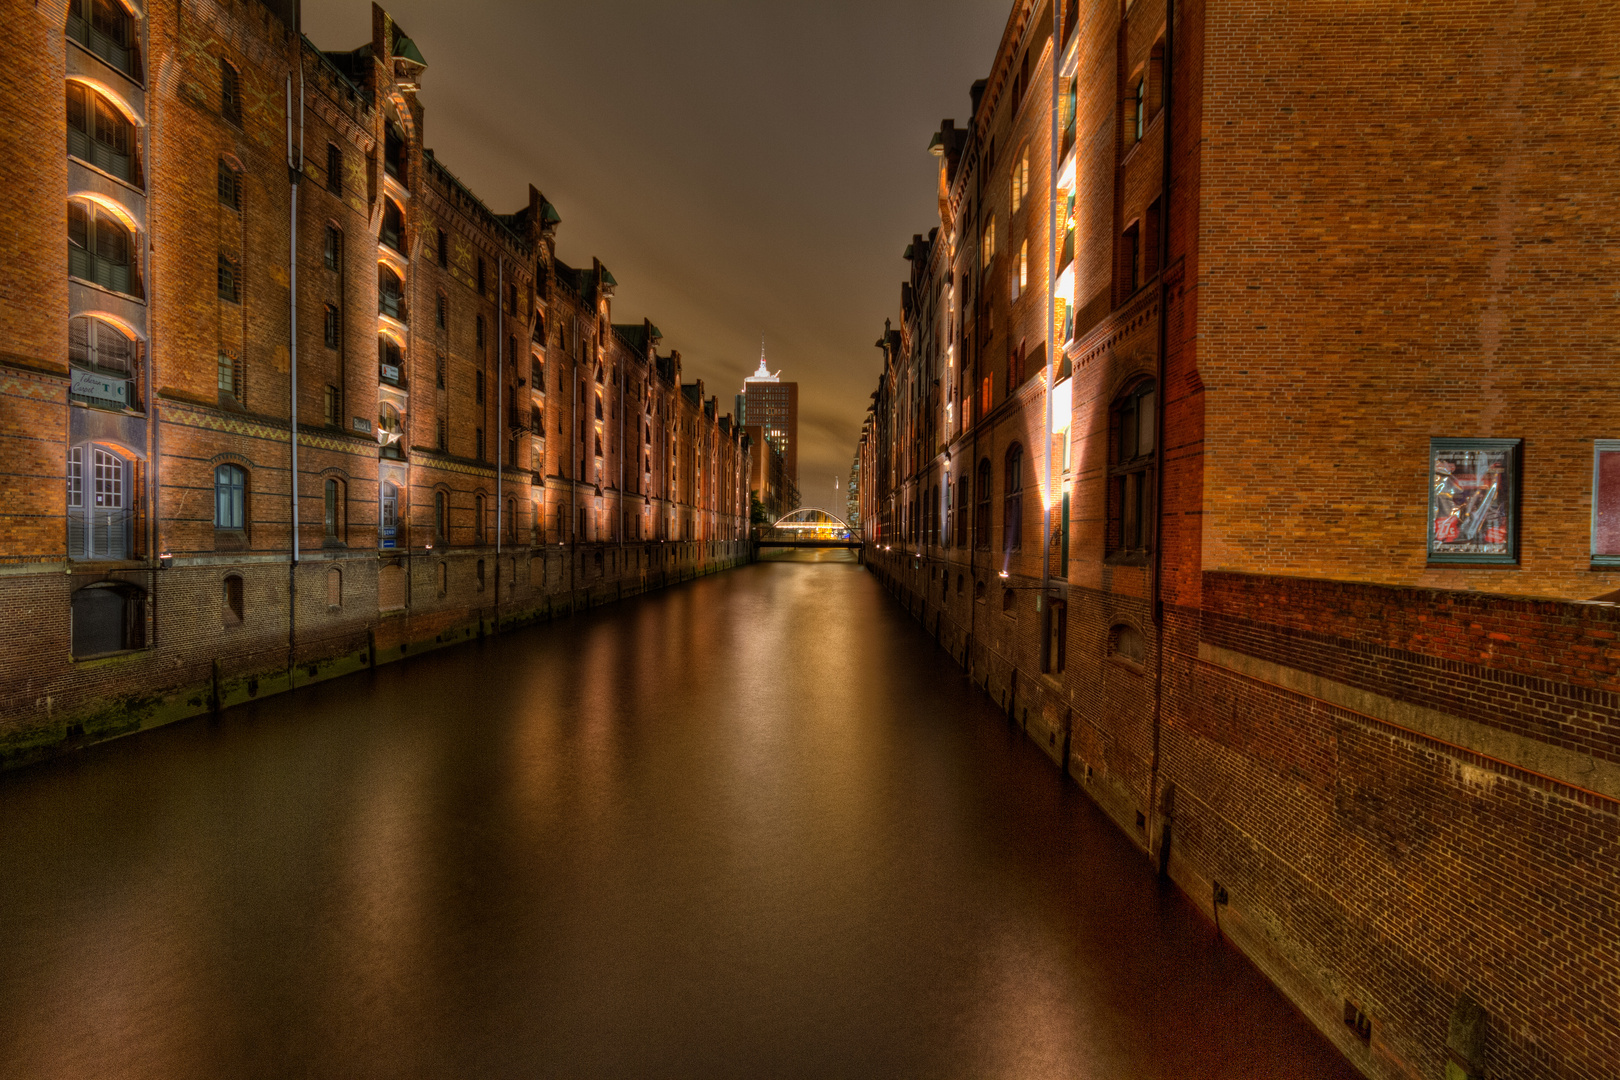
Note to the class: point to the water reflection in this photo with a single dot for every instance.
(755, 825)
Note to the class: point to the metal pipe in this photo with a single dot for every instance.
(500, 420)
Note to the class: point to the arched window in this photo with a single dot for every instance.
(230, 185)
(391, 357)
(478, 520)
(100, 502)
(394, 150)
(1012, 513)
(1131, 477)
(393, 226)
(441, 515)
(390, 430)
(1126, 642)
(108, 617)
(511, 520)
(336, 513)
(390, 512)
(230, 498)
(390, 293)
(444, 578)
(230, 93)
(334, 247)
(100, 248)
(106, 28)
(480, 575)
(108, 358)
(99, 134)
(334, 589)
(232, 611)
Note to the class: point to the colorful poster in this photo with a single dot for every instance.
(1471, 504)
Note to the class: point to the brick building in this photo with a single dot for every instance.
(1305, 566)
(260, 243)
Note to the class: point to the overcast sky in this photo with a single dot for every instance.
(744, 167)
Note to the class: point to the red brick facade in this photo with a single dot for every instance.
(478, 444)
(1392, 779)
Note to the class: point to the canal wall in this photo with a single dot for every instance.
(1403, 806)
(210, 646)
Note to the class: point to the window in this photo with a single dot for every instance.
(1138, 112)
(330, 406)
(478, 520)
(334, 329)
(230, 93)
(478, 334)
(444, 312)
(478, 387)
(962, 510)
(1133, 258)
(394, 150)
(95, 343)
(444, 250)
(232, 611)
(390, 293)
(99, 134)
(334, 589)
(481, 281)
(1012, 512)
(1127, 643)
(100, 248)
(989, 249)
(1131, 477)
(442, 442)
(1474, 500)
(480, 575)
(108, 617)
(390, 359)
(1020, 182)
(1606, 502)
(106, 29)
(511, 520)
(441, 515)
(389, 526)
(439, 370)
(230, 185)
(230, 279)
(1057, 636)
(334, 248)
(393, 226)
(334, 169)
(1020, 273)
(981, 511)
(334, 509)
(390, 430)
(512, 298)
(444, 578)
(100, 502)
(230, 497)
(479, 440)
(230, 376)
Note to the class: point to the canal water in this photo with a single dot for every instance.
(752, 826)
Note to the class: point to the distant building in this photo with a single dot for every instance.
(773, 405)
(767, 474)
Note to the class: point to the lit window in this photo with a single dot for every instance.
(100, 248)
(230, 93)
(1130, 510)
(99, 134)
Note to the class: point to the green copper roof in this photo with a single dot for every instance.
(549, 215)
(406, 49)
(607, 277)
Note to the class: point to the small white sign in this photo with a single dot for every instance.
(89, 384)
(390, 372)
(362, 424)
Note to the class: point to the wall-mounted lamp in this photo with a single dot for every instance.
(165, 559)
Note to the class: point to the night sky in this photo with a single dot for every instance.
(744, 167)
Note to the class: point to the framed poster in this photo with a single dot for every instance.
(1606, 502)
(1474, 500)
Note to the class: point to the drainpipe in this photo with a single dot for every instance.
(1158, 418)
(500, 421)
(295, 167)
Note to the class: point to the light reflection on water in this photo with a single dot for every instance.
(754, 825)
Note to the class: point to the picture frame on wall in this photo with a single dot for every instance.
(1474, 513)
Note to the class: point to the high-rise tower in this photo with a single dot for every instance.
(773, 405)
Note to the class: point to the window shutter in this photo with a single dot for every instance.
(80, 350)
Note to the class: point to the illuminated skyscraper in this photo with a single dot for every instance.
(773, 405)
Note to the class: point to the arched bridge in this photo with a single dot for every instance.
(808, 527)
